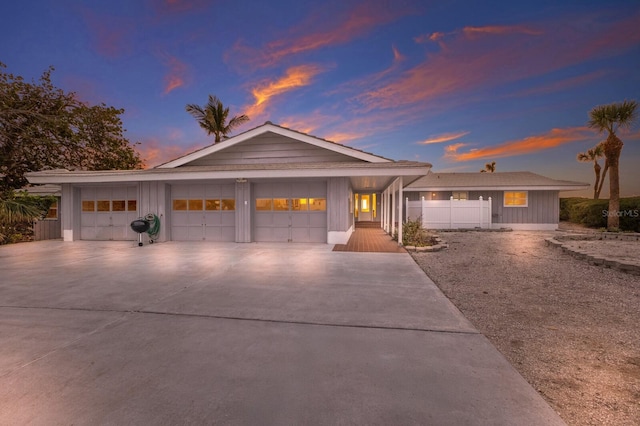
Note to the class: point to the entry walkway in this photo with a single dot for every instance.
(369, 237)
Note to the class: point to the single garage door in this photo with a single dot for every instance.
(203, 212)
(290, 212)
(107, 212)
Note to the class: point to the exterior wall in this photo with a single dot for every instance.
(339, 210)
(47, 229)
(243, 212)
(152, 198)
(70, 212)
(271, 148)
(543, 207)
(542, 212)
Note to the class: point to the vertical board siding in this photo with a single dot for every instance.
(271, 148)
(47, 229)
(338, 193)
(543, 207)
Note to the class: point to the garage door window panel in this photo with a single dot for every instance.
(88, 206)
(263, 204)
(104, 205)
(281, 204)
(299, 204)
(228, 204)
(212, 205)
(196, 205)
(318, 204)
(118, 205)
(180, 205)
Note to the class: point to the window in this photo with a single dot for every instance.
(88, 206)
(212, 204)
(460, 195)
(299, 204)
(516, 199)
(53, 211)
(263, 204)
(104, 205)
(281, 204)
(196, 205)
(229, 204)
(317, 204)
(180, 205)
(118, 205)
(132, 205)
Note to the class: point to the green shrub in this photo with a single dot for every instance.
(413, 234)
(593, 213)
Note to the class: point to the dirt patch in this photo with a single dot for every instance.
(570, 328)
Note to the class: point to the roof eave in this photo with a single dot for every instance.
(177, 175)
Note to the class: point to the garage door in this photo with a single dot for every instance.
(107, 212)
(203, 212)
(290, 212)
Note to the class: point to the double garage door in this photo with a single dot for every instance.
(203, 212)
(107, 212)
(290, 212)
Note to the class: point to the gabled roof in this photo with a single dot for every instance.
(356, 154)
(491, 181)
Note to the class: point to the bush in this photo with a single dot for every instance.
(413, 234)
(593, 213)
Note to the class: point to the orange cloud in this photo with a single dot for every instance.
(343, 137)
(340, 29)
(466, 64)
(444, 137)
(176, 74)
(551, 139)
(155, 152)
(295, 77)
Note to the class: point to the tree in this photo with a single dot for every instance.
(489, 167)
(594, 154)
(20, 208)
(612, 117)
(213, 118)
(43, 127)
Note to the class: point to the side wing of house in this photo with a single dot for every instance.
(519, 200)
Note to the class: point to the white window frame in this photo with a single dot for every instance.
(456, 195)
(504, 199)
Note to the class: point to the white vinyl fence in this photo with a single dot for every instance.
(451, 214)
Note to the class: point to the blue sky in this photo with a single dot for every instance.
(456, 84)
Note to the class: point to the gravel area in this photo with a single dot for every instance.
(570, 328)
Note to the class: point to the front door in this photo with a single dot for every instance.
(366, 207)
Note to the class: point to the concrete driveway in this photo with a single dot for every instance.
(202, 333)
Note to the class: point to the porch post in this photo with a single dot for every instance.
(481, 207)
(394, 201)
(400, 211)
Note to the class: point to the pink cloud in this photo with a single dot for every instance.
(444, 137)
(176, 73)
(482, 57)
(110, 35)
(317, 33)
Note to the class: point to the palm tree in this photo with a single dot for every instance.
(594, 154)
(611, 118)
(17, 209)
(489, 167)
(213, 118)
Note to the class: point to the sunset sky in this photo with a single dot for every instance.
(454, 83)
